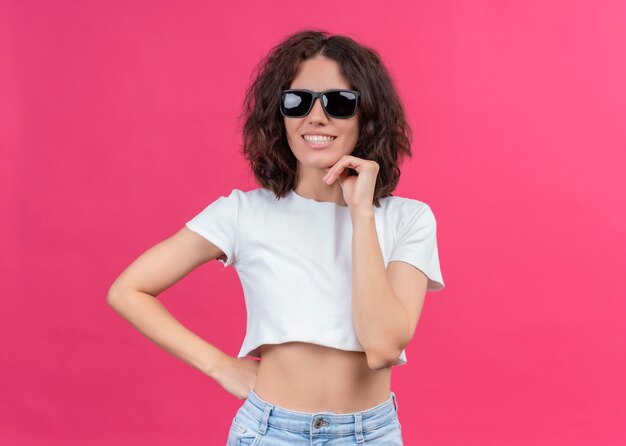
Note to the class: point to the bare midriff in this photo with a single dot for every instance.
(313, 378)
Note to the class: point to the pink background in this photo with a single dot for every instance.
(118, 124)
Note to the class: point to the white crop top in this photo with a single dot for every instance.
(293, 258)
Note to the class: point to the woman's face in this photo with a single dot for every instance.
(319, 74)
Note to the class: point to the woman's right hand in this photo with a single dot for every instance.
(237, 375)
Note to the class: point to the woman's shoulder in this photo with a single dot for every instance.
(405, 204)
(253, 197)
(258, 193)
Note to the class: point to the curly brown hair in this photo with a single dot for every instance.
(384, 134)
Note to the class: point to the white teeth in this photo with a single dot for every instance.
(318, 138)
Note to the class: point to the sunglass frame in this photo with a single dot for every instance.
(319, 94)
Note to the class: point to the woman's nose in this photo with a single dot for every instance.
(317, 112)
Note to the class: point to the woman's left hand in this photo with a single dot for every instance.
(358, 190)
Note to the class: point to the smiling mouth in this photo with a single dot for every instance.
(319, 141)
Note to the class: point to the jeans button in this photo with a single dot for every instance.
(318, 423)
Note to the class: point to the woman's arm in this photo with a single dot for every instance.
(133, 296)
(380, 320)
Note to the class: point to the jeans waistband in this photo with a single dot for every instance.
(320, 422)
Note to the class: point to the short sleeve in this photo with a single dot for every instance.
(218, 224)
(416, 244)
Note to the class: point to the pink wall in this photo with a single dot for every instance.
(118, 124)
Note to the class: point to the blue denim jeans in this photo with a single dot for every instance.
(258, 422)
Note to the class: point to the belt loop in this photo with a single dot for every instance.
(358, 428)
(395, 401)
(265, 417)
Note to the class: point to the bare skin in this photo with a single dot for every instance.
(313, 378)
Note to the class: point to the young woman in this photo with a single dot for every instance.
(334, 268)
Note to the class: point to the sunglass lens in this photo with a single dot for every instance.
(340, 104)
(296, 103)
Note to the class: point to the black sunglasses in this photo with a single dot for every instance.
(336, 103)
